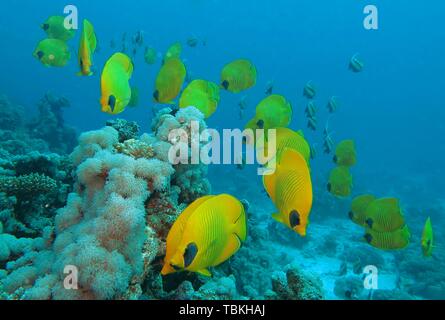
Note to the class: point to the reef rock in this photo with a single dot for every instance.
(294, 284)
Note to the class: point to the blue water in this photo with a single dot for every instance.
(394, 109)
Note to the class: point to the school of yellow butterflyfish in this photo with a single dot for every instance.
(212, 228)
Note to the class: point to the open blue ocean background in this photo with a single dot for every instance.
(394, 109)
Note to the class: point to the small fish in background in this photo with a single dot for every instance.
(345, 154)
(193, 42)
(312, 123)
(269, 88)
(359, 206)
(203, 95)
(357, 266)
(384, 215)
(332, 105)
(207, 233)
(150, 55)
(328, 142)
(112, 44)
(54, 28)
(427, 241)
(243, 162)
(87, 47)
(355, 64)
(394, 240)
(138, 38)
(124, 45)
(238, 75)
(340, 182)
(52, 53)
(314, 151)
(242, 104)
(115, 86)
(309, 90)
(169, 81)
(311, 110)
(134, 52)
(290, 189)
(328, 145)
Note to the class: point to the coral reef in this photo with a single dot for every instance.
(32, 188)
(113, 226)
(27, 185)
(294, 284)
(419, 276)
(16, 138)
(46, 132)
(128, 130)
(50, 126)
(349, 287)
(253, 265)
(360, 256)
(106, 210)
(135, 148)
(11, 116)
(190, 178)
